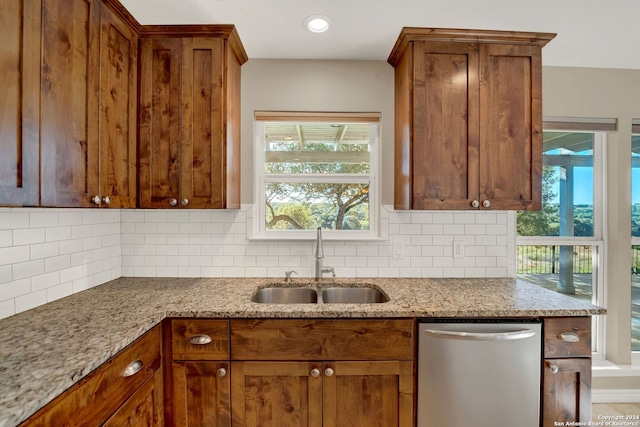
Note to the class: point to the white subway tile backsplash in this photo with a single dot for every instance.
(48, 254)
(28, 269)
(14, 254)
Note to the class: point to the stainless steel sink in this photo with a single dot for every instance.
(273, 295)
(353, 295)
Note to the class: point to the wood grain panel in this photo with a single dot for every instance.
(100, 394)
(159, 122)
(69, 102)
(19, 118)
(144, 408)
(511, 127)
(445, 123)
(232, 139)
(566, 393)
(297, 339)
(118, 101)
(368, 394)
(403, 132)
(202, 123)
(183, 329)
(282, 394)
(555, 347)
(200, 396)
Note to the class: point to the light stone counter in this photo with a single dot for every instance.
(46, 350)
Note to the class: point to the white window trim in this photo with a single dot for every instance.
(596, 241)
(259, 231)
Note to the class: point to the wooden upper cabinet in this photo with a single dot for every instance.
(189, 150)
(118, 103)
(19, 114)
(69, 102)
(468, 119)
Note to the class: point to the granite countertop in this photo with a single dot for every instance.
(46, 350)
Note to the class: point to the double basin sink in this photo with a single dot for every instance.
(312, 295)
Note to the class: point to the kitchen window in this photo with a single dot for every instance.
(316, 170)
(561, 247)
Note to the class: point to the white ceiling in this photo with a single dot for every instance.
(591, 33)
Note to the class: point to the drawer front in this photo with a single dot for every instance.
(200, 339)
(298, 339)
(95, 398)
(567, 337)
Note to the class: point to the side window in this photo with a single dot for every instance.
(561, 246)
(316, 170)
(635, 236)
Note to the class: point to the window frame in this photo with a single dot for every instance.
(635, 240)
(261, 178)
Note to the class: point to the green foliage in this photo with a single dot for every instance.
(544, 222)
(307, 205)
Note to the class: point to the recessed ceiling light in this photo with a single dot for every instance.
(317, 23)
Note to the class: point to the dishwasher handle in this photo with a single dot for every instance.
(481, 336)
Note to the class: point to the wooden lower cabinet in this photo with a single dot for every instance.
(201, 394)
(566, 370)
(125, 390)
(144, 408)
(566, 391)
(322, 394)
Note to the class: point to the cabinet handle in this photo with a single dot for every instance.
(200, 339)
(569, 337)
(132, 368)
(173, 202)
(553, 368)
(107, 200)
(221, 372)
(96, 199)
(486, 204)
(475, 204)
(315, 373)
(184, 202)
(328, 372)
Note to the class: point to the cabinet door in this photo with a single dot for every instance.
(444, 157)
(203, 147)
(201, 393)
(276, 393)
(159, 123)
(20, 22)
(143, 408)
(368, 394)
(118, 86)
(69, 102)
(567, 391)
(511, 126)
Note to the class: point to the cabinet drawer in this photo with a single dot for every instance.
(99, 395)
(200, 339)
(286, 339)
(567, 337)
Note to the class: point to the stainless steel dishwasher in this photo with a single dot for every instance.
(481, 374)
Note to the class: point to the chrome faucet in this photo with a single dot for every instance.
(320, 270)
